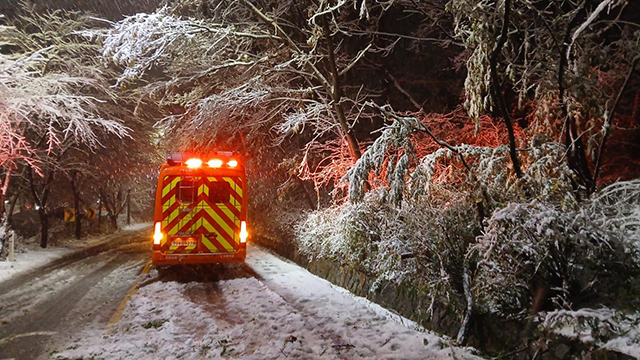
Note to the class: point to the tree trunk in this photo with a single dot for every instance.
(44, 227)
(114, 221)
(3, 190)
(336, 95)
(636, 106)
(463, 333)
(76, 204)
(609, 122)
(576, 151)
(496, 90)
(12, 208)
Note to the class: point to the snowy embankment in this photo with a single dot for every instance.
(30, 260)
(604, 328)
(282, 311)
(29, 256)
(138, 226)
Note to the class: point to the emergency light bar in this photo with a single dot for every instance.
(217, 159)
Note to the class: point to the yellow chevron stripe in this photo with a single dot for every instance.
(169, 186)
(220, 239)
(209, 245)
(220, 222)
(170, 219)
(203, 188)
(237, 187)
(229, 215)
(224, 243)
(196, 225)
(189, 249)
(172, 249)
(169, 202)
(208, 226)
(234, 200)
(182, 221)
(164, 240)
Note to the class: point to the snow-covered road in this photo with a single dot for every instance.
(267, 308)
(54, 301)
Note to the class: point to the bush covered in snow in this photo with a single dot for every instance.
(533, 256)
(424, 242)
(603, 327)
(370, 235)
(544, 254)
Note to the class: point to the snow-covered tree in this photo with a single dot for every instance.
(53, 87)
(280, 69)
(567, 61)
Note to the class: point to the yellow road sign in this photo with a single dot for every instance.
(70, 215)
(91, 213)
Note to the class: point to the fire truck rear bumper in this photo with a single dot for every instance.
(159, 258)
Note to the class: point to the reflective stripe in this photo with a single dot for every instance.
(202, 217)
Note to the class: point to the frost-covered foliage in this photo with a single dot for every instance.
(396, 139)
(478, 25)
(367, 235)
(372, 235)
(316, 115)
(534, 256)
(565, 255)
(52, 103)
(606, 328)
(616, 209)
(216, 115)
(48, 86)
(546, 176)
(535, 38)
(237, 66)
(143, 41)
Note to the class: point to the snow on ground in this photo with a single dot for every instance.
(31, 256)
(95, 305)
(284, 312)
(18, 301)
(30, 260)
(138, 226)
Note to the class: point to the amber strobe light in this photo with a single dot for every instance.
(194, 163)
(215, 163)
(243, 232)
(157, 234)
(232, 163)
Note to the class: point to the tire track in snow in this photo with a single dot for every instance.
(43, 314)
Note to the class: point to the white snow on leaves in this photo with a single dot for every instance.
(287, 313)
(606, 328)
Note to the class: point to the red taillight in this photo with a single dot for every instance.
(215, 163)
(232, 163)
(243, 232)
(194, 163)
(157, 234)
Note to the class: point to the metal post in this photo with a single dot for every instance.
(11, 247)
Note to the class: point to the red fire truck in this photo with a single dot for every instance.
(201, 210)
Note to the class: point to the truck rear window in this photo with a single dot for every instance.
(220, 192)
(186, 190)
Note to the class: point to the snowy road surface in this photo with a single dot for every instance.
(267, 308)
(70, 293)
